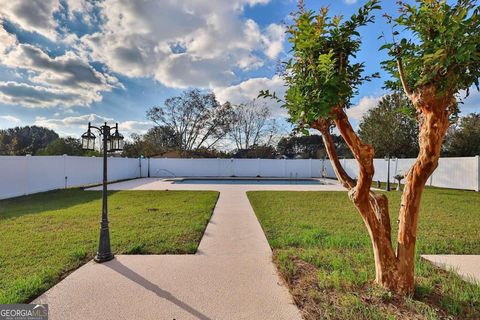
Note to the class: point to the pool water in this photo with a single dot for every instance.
(250, 181)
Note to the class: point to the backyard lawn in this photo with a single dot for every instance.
(44, 236)
(323, 251)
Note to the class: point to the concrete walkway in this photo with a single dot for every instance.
(230, 277)
(467, 266)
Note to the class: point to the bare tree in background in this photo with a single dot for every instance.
(252, 125)
(196, 118)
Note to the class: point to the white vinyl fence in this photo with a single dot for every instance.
(299, 168)
(455, 173)
(21, 175)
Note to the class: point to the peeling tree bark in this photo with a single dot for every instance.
(394, 270)
(434, 122)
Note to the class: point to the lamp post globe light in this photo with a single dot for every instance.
(111, 142)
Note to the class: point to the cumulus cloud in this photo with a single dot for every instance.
(182, 43)
(359, 110)
(32, 15)
(350, 1)
(65, 80)
(273, 40)
(12, 92)
(249, 89)
(76, 125)
(10, 119)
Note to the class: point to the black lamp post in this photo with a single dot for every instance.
(111, 142)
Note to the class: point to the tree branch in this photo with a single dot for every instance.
(403, 78)
(362, 152)
(323, 126)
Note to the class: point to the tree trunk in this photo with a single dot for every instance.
(394, 271)
(373, 208)
(434, 122)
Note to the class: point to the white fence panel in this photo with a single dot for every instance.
(457, 173)
(83, 171)
(274, 168)
(226, 167)
(164, 167)
(298, 168)
(45, 173)
(246, 167)
(123, 168)
(25, 175)
(145, 163)
(13, 176)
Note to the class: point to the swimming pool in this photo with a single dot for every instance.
(251, 181)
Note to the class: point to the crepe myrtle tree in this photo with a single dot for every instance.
(439, 60)
(322, 78)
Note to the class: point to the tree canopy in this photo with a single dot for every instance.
(69, 146)
(25, 140)
(252, 125)
(390, 130)
(464, 140)
(320, 75)
(196, 118)
(442, 47)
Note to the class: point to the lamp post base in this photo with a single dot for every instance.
(103, 258)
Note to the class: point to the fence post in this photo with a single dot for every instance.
(27, 174)
(65, 170)
(478, 173)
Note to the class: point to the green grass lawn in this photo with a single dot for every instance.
(323, 251)
(44, 236)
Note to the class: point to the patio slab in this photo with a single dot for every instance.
(467, 266)
(230, 277)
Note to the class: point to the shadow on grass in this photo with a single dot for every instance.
(58, 199)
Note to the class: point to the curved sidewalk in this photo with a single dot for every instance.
(230, 277)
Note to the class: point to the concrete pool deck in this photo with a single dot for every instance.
(230, 277)
(467, 266)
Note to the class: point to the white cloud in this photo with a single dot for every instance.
(182, 43)
(32, 15)
(249, 89)
(11, 119)
(65, 80)
(350, 1)
(12, 92)
(76, 125)
(273, 40)
(359, 110)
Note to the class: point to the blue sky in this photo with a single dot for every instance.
(66, 62)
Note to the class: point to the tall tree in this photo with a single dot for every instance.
(464, 139)
(310, 147)
(321, 78)
(440, 60)
(155, 142)
(196, 118)
(25, 140)
(252, 125)
(390, 128)
(69, 146)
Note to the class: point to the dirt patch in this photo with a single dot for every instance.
(317, 301)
